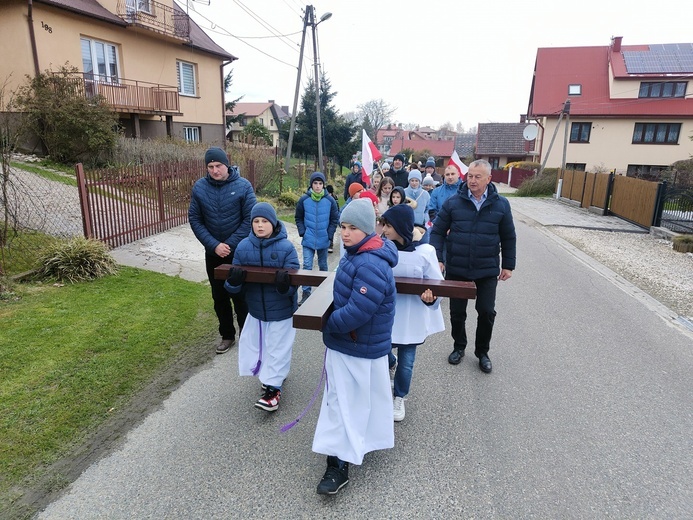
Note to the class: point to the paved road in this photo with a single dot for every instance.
(587, 414)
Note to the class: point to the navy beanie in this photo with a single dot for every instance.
(216, 154)
(401, 218)
(400, 157)
(317, 176)
(264, 210)
(430, 163)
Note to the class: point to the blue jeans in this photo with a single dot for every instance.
(308, 254)
(406, 354)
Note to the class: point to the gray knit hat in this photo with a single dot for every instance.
(359, 213)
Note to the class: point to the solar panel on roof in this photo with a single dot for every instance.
(669, 58)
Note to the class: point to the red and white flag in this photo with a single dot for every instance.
(458, 164)
(369, 154)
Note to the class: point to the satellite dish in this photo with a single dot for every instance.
(529, 133)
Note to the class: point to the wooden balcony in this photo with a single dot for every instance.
(130, 96)
(155, 16)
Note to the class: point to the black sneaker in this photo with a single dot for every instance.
(335, 478)
(224, 345)
(270, 400)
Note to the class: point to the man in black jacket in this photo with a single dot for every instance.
(475, 225)
(398, 173)
(354, 176)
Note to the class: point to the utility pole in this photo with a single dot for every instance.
(308, 19)
(317, 89)
(292, 129)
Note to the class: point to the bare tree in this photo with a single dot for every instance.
(378, 113)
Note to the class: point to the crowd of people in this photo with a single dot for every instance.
(399, 223)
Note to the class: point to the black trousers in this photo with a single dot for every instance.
(223, 299)
(485, 304)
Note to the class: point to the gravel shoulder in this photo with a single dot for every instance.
(648, 262)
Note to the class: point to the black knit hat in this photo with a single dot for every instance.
(400, 157)
(216, 154)
(401, 218)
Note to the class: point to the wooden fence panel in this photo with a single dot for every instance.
(634, 200)
(577, 186)
(586, 201)
(600, 191)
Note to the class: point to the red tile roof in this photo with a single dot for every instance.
(556, 68)
(437, 148)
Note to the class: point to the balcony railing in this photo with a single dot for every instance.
(126, 95)
(155, 16)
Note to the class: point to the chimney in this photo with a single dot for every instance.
(616, 43)
(271, 101)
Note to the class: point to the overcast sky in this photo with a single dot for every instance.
(435, 61)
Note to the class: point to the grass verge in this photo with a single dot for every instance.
(73, 356)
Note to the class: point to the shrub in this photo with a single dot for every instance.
(288, 199)
(523, 165)
(71, 125)
(683, 243)
(76, 260)
(540, 185)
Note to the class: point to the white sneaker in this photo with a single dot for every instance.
(398, 408)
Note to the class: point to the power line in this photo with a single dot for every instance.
(265, 24)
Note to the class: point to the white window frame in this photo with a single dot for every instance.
(134, 6)
(180, 67)
(575, 89)
(191, 134)
(95, 75)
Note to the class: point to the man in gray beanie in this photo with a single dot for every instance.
(219, 215)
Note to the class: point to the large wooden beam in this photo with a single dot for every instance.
(315, 311)
(441, 288)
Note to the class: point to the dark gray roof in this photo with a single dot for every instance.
(464, 144)
(88, 8)
(500, 139)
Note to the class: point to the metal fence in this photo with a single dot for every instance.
(34, 210)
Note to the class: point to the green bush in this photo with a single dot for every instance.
(78, 259)
(538, 186)
(72, 126)
(288, 199)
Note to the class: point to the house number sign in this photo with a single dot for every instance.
(47, 27)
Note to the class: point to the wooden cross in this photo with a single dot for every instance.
(314, 312)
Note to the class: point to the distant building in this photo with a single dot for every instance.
(269, 114)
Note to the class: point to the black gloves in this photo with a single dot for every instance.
(281, 282)
(236, 276)
(431, 215)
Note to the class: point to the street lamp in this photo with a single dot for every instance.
(309, 19)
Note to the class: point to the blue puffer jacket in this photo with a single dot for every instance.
(316, 221)
(440, 195)
(475, 238)
(364, 300)
(220, 210)
(264, 302)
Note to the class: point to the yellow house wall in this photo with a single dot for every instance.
(142, 54)
(611, 145)
(15, 45)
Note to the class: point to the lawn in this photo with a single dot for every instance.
(72, 356)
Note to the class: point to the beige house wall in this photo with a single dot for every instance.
(623, 88)
(611, 145)
(143, 55)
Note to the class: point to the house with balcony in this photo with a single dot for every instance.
(155, 66)
(270, 115)
(627, 108)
